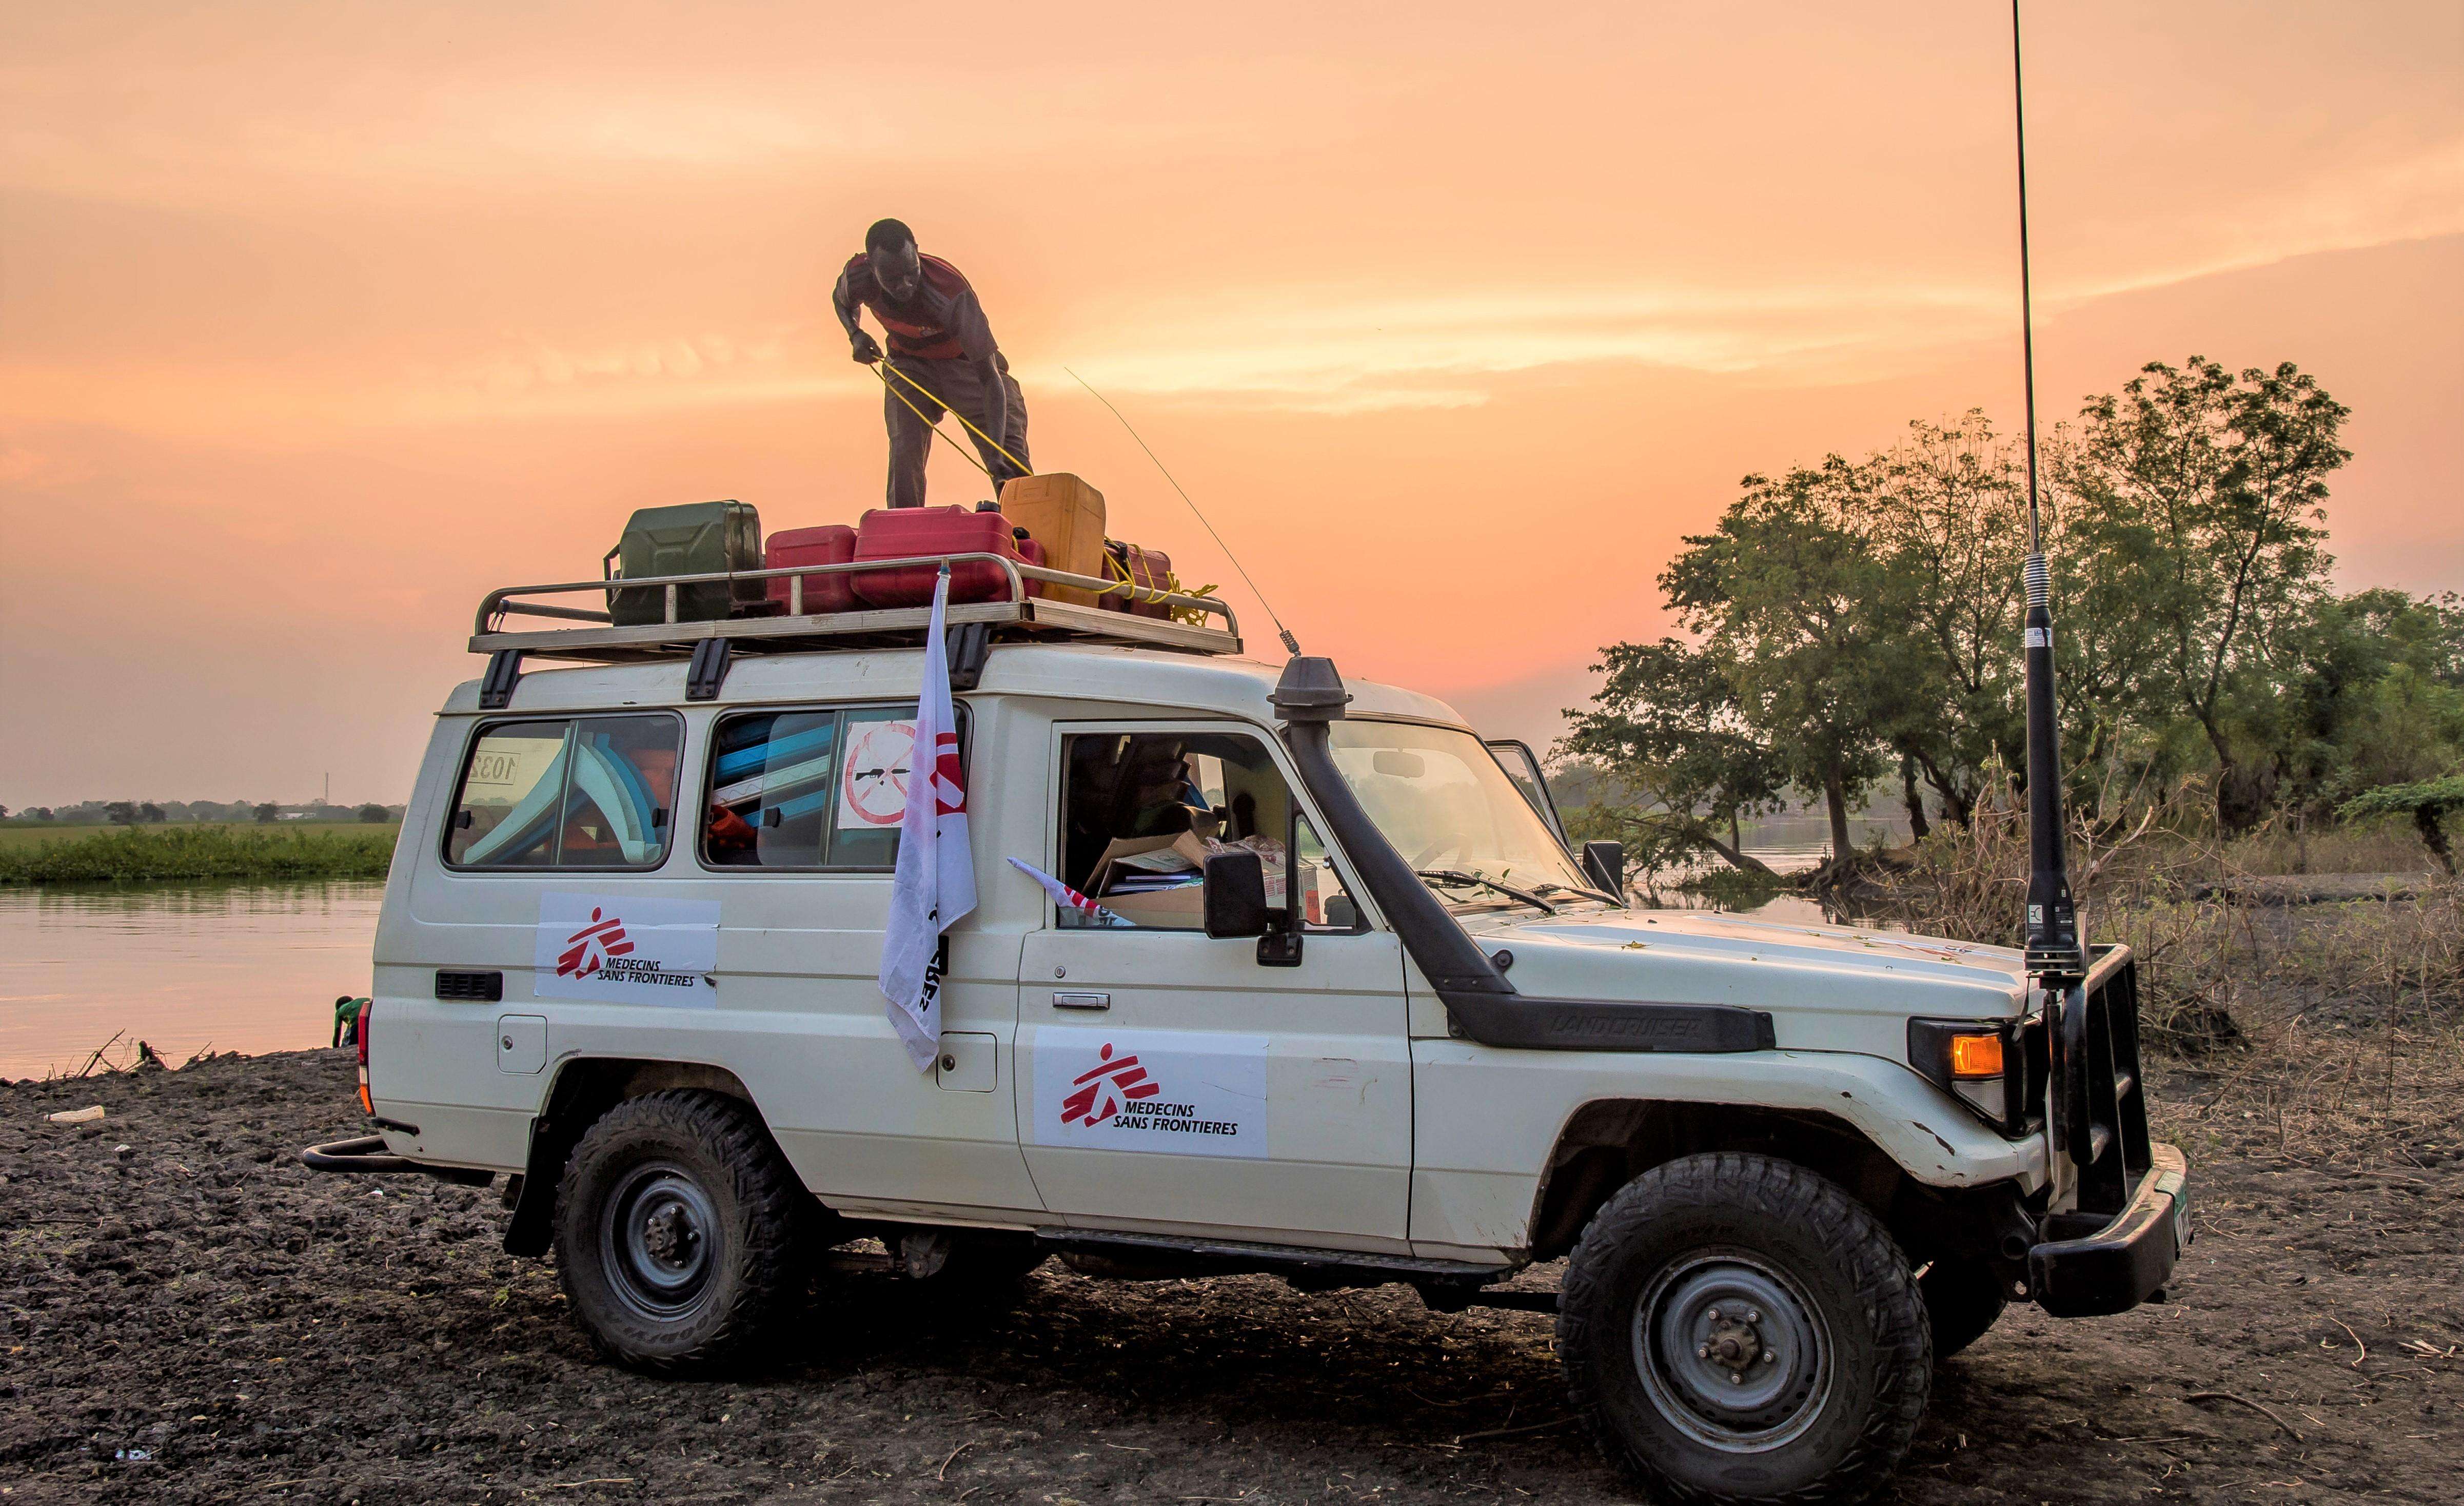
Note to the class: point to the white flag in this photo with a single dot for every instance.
(936, 881)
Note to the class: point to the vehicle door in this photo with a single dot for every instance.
(1170, 1082)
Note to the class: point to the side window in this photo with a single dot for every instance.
(1141, 812)
(570, 793)
(812, 789)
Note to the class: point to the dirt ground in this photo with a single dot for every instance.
(188, 1315)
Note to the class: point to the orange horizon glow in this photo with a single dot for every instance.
(319, 320)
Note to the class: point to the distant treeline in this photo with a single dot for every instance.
(200, 851)
(147, 812)
(1853, 633)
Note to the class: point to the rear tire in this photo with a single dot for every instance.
(1737, 1328)
(678, 1228)
(1963, 1298)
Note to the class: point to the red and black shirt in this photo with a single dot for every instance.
(939, 321)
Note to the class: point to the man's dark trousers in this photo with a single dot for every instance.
(910, 437)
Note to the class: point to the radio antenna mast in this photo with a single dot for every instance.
(1291, 645)
(2054, 955)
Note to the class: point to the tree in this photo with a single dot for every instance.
(1946, 516)
(1663, 733)
(2429, 803)
(268, 813)
(1787, 596)
(2373, 695)
(4, 812)
(122, 813)
(151, 813)
(2198, 495)
(372, 813)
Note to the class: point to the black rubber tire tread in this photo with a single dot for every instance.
(1784, 1195)
(1963, 1298)
(772, 1215)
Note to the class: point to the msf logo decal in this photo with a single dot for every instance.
(1099, 1091)
(625, 949)
(591, 948)
(1216, 1105)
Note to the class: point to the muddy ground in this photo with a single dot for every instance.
(187, 1314)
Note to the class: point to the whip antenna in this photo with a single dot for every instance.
(2053, 954)
(1291, 645)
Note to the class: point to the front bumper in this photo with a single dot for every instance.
(2115, 1268)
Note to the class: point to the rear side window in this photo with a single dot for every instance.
(579, 792)
(813, 789)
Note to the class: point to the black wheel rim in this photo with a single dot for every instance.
(659, 1241)
(1731, 1351)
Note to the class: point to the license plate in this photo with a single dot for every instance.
(2181, 1219)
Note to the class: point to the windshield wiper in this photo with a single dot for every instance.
(1456, 877)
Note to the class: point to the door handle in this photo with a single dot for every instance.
(1067, 1000)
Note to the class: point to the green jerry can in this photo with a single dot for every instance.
(695, 538)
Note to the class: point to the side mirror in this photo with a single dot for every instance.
(1235, 894)
(1606, 862)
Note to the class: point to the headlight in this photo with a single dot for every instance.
(1983, 1063)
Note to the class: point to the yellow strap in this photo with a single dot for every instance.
(935, 428)
(955, 414)
(1153, 595)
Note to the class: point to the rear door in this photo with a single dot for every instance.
(1168, 1082)
(799, 830)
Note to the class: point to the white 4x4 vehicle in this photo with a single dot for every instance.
(628, 954)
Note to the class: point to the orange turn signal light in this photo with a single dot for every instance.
(367, 1105)
(1976, 1055)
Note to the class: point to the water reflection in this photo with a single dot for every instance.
(1738, 893)
(247, 967)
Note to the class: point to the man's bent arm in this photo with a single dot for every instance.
(843, 301)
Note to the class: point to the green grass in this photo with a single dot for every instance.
(141, 854)
(17, 836)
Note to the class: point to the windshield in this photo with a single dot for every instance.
(1438, 795)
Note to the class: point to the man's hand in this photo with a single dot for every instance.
(863, 346)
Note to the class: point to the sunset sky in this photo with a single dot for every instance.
(317, 320)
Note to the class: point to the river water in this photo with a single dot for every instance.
(244, 967)
(256, 968)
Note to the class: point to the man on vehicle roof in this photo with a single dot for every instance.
(941, 351)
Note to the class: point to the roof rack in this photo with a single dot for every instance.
(602, 640)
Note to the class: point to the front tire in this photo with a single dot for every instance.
(1737, 1328)
(677, 1231)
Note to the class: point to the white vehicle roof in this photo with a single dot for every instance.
(1164, 682)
